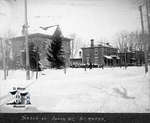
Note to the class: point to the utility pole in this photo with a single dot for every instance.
(125, 56)
(65, 64)
(4, 57)
(103, 50)
(37, 60)
(26, 40)
(145, 46)
(73, 40)
(65, 59)
(145, 49)
(148, 24)
(147, 14)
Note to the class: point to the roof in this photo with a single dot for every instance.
(37, 35)
(112, 56)
(31, 35)
(108, 57)
(115, 56)
(105, 45)
(96, 47)
(75, 58)
(101, 44)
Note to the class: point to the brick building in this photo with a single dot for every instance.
(102, 54)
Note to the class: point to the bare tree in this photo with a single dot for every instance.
(137, 2)
(130, 41)
(135, 41)
(8, 49)
(122, 41)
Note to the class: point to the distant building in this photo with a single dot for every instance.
(77, 60)
(42, 41)
(149, 53)
(102, 54)
(132, 58)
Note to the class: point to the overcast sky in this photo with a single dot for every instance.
(87, 18)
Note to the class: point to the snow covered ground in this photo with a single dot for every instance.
(97, 90)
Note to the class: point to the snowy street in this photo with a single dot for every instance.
(97, 90)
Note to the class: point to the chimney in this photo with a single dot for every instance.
(92, 42)
(107, 43)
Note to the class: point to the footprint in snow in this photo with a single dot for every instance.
(123, 93)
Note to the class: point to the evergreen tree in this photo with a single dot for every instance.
(33, 57)
(55, 54)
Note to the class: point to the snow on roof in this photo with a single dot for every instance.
(108, 57)
(115, 56)
(32, 35)
(38, 35)
(105, 44)
(100, 44)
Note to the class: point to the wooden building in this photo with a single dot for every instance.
(42, 41)
(135, 58)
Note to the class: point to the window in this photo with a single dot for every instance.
(96, 51)
(80, 53)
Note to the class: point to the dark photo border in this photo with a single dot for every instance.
(74, 117)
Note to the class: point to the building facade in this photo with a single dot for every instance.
(42, 41)
(102, 54)
(135, 58)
